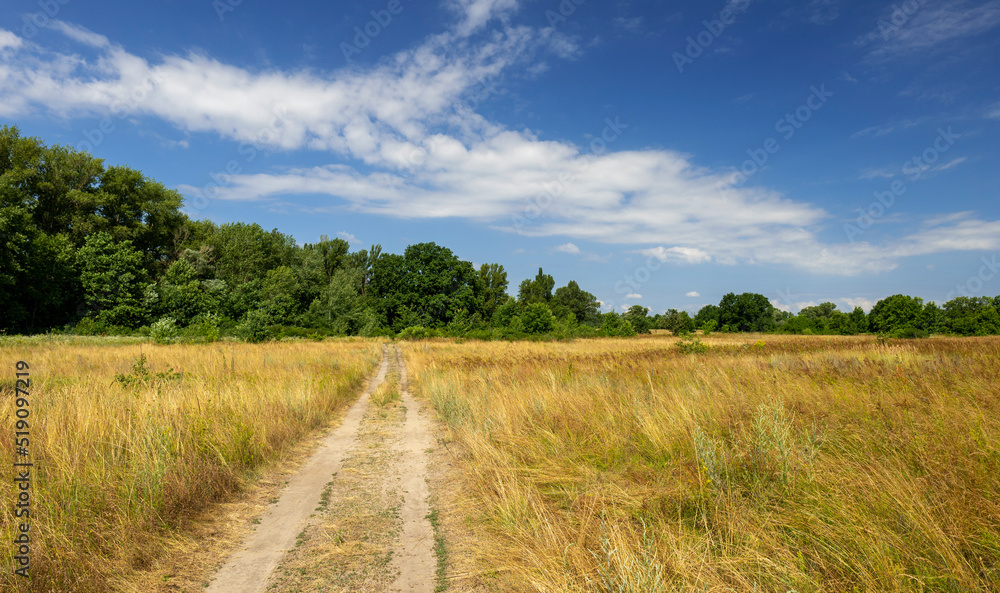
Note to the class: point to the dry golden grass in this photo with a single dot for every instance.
(767, 464)
(120, 464)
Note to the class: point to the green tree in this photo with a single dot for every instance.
(580, 303)
(492, 287)
(747, 312)
(706, 314)
(536, 318)
(894, 313)
(538, 290)
(428, 286)
(338, 308)
(614, 325)
(112, 275)
(676, 321)
(638, 317)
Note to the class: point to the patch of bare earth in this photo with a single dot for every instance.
(349, 542)
(204, 545)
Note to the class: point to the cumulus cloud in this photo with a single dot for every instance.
(9, 40)
(633, 296)
(350, 238)
(693, 294)
(405, 140)
(568, 248)
(862, 302)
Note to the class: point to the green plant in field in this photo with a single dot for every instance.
(623, 571)
(141, 375)
(163, 331)
(705, 449)
(692, 345)
(772, 438)
(441, 551)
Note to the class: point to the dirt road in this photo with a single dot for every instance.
(356, 515)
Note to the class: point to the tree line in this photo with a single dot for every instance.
(87, 248)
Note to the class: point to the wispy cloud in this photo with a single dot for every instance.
(930, 28)
(402, 143)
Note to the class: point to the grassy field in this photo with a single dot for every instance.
(130, 439)
(766, 463)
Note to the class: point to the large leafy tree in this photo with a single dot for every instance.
(747, 312)
(112, 275)
(493, 288)
(573, 299)
(428, 285)
(896, 312)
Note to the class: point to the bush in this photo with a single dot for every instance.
(614, 325)
(909, 333)
(205, 328)
(537, 319)
(709, 327)
(418, 332)
(164, 330)
(255, 327)
(691, 345)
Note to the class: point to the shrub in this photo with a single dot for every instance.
(613, 325)
(255, 327)
(164, 330)
(205, 328)
(537, 319)
(418, 332)
(692, 345)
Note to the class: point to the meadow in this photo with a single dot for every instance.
(130, 439)
(766, 463)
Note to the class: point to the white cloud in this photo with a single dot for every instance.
(424, 150)
(689, 255)
(692, 294)
(349, 237)
(929, 28)
(781, 306)
(9, 40)
(81, 34)
(568, 248)
(862, 302)
(633, 296)
(476, 13)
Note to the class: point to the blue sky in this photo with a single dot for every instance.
(659, 153)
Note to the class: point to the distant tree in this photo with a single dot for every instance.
(580, 303)
(970, 316)
(614, 325)
(538, 290)
(638, 317)
(857, 322)
(676, 321)
(896, 312)
(706, 314)
(338, 308)
(427, 286)
(747, 312)
(492, 287)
